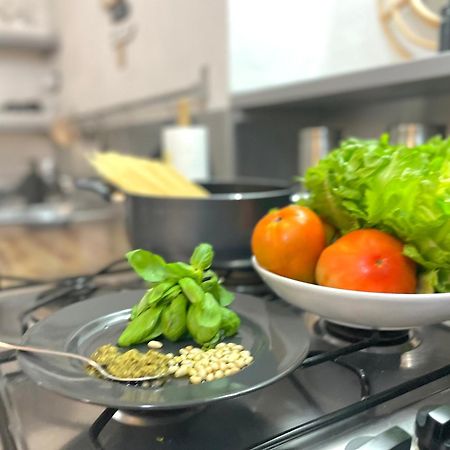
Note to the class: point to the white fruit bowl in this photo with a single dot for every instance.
(360, 309)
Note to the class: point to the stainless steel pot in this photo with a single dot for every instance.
(172, 227)
(412, 134)
(314, 143)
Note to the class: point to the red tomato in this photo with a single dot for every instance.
(289, 241)
(367, 260)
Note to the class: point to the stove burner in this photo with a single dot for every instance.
(244, 281)
(350, 334)
(382, 341)
(154, 418)
(71, 290)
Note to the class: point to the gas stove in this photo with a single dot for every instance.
(357, 389)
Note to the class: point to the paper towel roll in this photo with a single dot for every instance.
(186, 148)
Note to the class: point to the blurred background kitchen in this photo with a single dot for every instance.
(263, 89)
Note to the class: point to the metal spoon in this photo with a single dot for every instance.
(86, 360)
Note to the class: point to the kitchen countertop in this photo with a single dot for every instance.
(56, 251)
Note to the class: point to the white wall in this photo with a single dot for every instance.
(175, 38)
(274, 42)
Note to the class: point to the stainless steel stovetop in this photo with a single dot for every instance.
(349, 387)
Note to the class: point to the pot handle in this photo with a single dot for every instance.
(104, 190)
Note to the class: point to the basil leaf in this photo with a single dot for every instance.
(203, 319)
(140, 307)
(173, 318)
(192, 290)
(223, 296)
(172, 293)
(159, 291)
(209, 285)
(133, 313)
(214, 341)
(147, 265)
(138, 330)
(202, 257)
(156, 331)
(154, 295)
(180, 270)
(210, 280)
(230, 322)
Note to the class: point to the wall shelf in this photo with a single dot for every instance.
(28, 40)
(427, 76)
(24, 122)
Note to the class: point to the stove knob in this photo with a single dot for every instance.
(433, 428)
(393, 439)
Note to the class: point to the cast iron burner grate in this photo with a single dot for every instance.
(244, 281)
(351, 334)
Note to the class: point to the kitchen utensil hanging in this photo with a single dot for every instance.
(397, 29)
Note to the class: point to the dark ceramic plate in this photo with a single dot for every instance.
(273, 331)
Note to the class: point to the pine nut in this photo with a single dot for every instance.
(181, 372)
(154, 344)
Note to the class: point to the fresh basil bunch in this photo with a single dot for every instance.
(183, 299)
